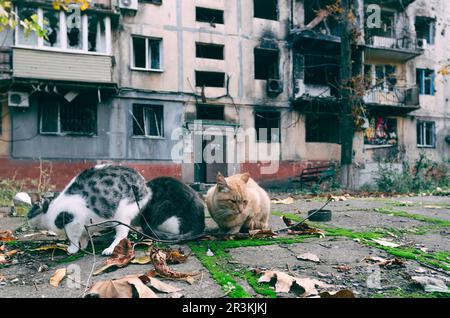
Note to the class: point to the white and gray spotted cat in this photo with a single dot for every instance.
(98, 194)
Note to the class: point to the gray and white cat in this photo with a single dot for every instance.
(102, 193)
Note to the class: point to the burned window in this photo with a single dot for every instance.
(209, 51)
(425, 30)
(51, 26)
(326, 24)
(381, 131)
(425, 81)
(321, 70)
(148, 120)
(146, 53)
(209, 79)
(25, 37)
(322, 128)
(267, 125)
(266, 64)
(266, 9)
(426, 134)
(210, 112)
(387, 28)
(207, 15)
(96, 34)
(79, 117)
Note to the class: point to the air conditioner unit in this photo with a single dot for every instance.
(422, 44)
(18, 99)
(128, 4)
(274, 86)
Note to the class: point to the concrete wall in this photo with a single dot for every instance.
(5, 131)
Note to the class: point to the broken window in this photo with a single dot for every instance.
(267, 125)
(323, 128)
(387, 28)
(266, 9)
(96, 34)
(148, 120)
(322, 70)
(51, 25)
(146, 53)
(25, 37)
(209, 51)
(324, 24)
(207, 15)
(426, 134)
(425, 81)
(209, 79)
(425, 30)
(266, 64)
(381, 76)
(210, 112)
(382, 131)
(79, 117)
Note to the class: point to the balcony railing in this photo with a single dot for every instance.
(404, 43)
(401, 97)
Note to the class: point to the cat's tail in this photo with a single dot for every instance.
(167, 236)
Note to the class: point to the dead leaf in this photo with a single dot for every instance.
(343, 268)
(144, 260)
(385, 262)
(11, 253)
(58, 276)
(287, 201)
(3, 259)
(338, 198)
(122, 255)
(158, 285)
(256, 234)
(159, 260)
(431, 284)
(6, 236)
(176, 256)
(386, 243)
(120, 288)
(344, 293)
(309, 257)
(61, 247)
(434, 207)
(305, 229)
(285, 283)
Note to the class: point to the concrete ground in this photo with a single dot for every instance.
(419, 225)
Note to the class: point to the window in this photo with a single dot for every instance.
(209, 79)
(266, 64)
(65, 31)
(267, 125)
(24, 37)
(381, 76)
(426, 134)
(148, 120)
(387, 28)
(322, 128)
(425, 81)
(57, 116)
(211, 16)
(322, 70)
(146, 53)
(266, 9)
(382, 131)
(210, 112)
(209, 51)
(425, 29)
(152, 1)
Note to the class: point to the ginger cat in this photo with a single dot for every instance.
(238, 203)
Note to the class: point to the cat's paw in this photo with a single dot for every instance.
(108, 251)
(73, 249)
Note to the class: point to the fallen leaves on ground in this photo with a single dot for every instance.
(5, 256)
(309, 257)
(62, 247)
(126, 287)
(386, 243)
(58, 276)
(159, 261)
(387, 263)
(174, 256)
(343, 268)
(431, 284)
(122, 255)
(287, 201)
(301, 229)
(344, 293)
(6, 236)
(338, 198)
(257, 234)
(285, 283)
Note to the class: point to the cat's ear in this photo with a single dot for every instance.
(245, 177)
(221, 182)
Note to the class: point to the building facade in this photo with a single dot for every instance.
(157, 84)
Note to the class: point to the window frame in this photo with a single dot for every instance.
(277, 19)
(422, 78)
(421, 129)
(269, 135)
(143, 107)
(147, 55)
(63, 41)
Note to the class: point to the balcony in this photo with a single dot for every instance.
(391, 48)
(29, 63)
(5, 64)
(397, 100)
(394, 4)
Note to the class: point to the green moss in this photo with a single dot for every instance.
(412, 216)
(259, 288)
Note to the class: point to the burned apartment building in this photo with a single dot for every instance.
(117, 85)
